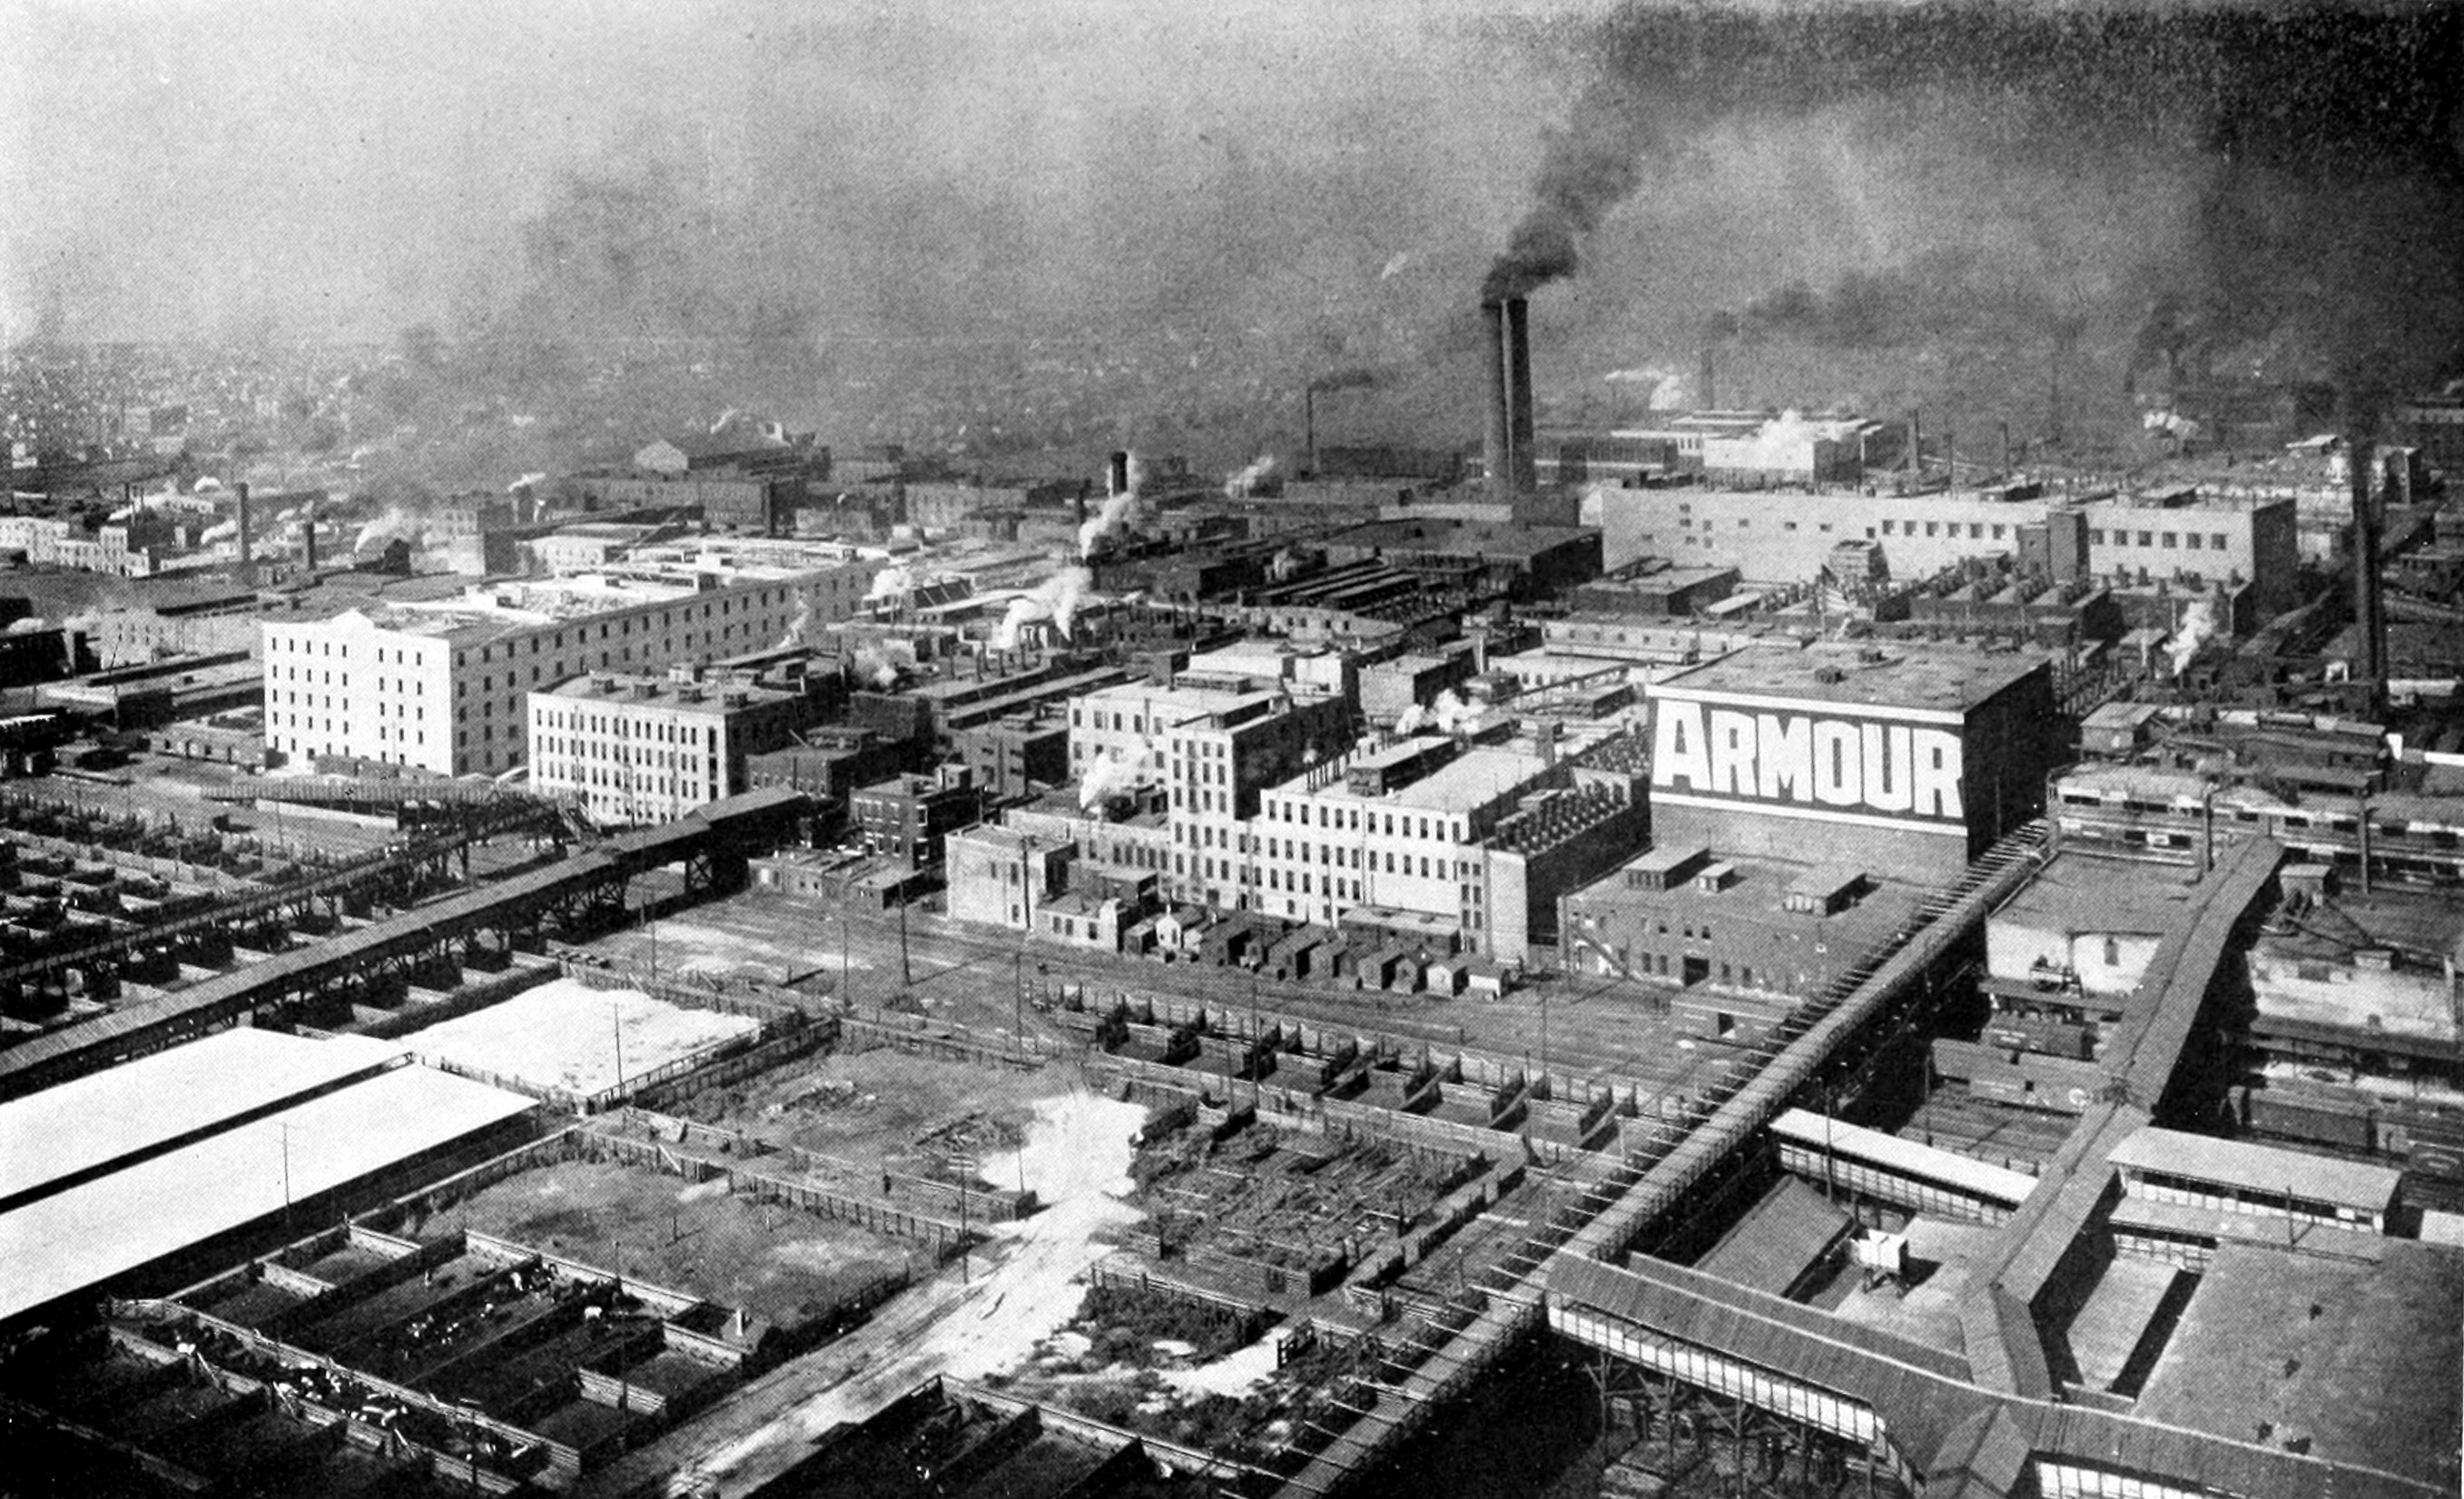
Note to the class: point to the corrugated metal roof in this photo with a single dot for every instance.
(1778, 1239)
(1936, 1420)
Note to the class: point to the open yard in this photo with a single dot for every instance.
(778, 1262)
(565, 1034)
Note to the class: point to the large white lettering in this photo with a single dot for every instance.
(1677, 751)
(1870, 765)
(1938, 773)
(1786, 758)
(1886, 767)
(1839, 765)
(1732, 752)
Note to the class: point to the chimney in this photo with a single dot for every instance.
(308, 529)
(2369, 611)
(1518, 393)
(1706, 398)
(1916, 442)
(1308, 428)
(1497, 448)
(243, 523)
(1116, 472)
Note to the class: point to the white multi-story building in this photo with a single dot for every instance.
(444, 684)
(647, 748)
(1388, 831)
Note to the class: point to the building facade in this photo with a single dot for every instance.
(647, 748)
(445, 685)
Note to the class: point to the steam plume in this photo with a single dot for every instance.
(2197, 628)
(1112, 775)
(1056, 599)
(1246, 482)
(1119, 511)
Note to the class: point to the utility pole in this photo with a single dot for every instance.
(905, 973)
(616, 1030)
(846, 976)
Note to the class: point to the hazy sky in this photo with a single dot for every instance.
(2270, 187)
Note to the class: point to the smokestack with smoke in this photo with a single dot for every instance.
(1120, 510)
(1247, 482)
(2197, 626)
(1114, 775)
(796, 626)
(890, 583)
(1497, 442)
(1056, 599)
(386, 527)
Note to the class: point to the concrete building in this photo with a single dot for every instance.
(1014, 756)
(2179, 535)
(644, 747)
(1390, 688)
(442, 683)
(1923, 755)
(1790, 448)
(1685, 914)
(1787, 535)
(1218, 766)
(1396, 828)
(1004, 876)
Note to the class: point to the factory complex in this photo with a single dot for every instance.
(1761, 951)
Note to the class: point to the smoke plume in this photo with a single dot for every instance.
(2197, 628)
(1257, 472)
(1115, 774)
(1056, 599)
(1119, 513)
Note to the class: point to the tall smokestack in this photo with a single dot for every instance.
(1708, 399)
(2369, 611)
(1916, 442)
(1116, 472)
(1309, 426)
(243, 523)
(1498, 447)
(308, 529)
(1518, 393)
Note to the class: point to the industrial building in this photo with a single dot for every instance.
(640, 747)
(1931, 754)
(443, 684)
(110, 1190)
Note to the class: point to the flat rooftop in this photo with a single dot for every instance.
(524, 603)
(1471, 780)
(2258, 1168)
(146, 1103)
(2073, 895)
(1906, 676)
(74, 1240)
(666, 691)
(2355, 1360)
(1171, 705)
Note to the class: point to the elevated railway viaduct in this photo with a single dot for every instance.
(574, 894)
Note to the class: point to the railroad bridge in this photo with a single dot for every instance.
(578, 895)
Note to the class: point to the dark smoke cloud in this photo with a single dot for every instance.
(2202, 191)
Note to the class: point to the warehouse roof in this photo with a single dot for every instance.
(76, 1240)
(2258, 1168)
(154, 1102)
(1904, 676)
(1907, 1157)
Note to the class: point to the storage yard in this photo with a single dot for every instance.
(567, 1035)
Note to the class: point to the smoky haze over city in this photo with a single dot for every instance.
(1282, 749)
(1877, 207)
